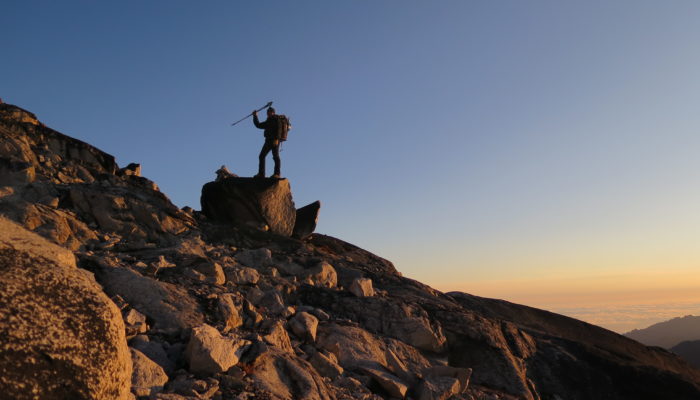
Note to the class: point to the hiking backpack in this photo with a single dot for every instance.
(283, 127)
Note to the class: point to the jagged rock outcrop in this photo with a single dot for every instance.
(31, 152)
(61, 336)
(68, 190)
(306, 220)
(227, 310)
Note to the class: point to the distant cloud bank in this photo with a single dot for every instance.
(623, 318)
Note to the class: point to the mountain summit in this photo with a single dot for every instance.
(209, 305)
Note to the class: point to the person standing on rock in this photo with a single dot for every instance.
(272, 142)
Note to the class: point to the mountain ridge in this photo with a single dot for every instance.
(668, 334)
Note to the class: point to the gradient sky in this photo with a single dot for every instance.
(543, 152)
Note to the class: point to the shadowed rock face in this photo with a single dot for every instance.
(294, 309)
(251, 202)
(306, 220)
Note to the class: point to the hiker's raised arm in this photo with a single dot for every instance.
(256, 121)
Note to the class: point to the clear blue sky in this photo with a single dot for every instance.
(480, 145)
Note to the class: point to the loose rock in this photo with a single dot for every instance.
(326, 364)
(438, 388)
(148, 378)
(208, 352)
(213, 272)
(242, 276)
(322, 274)
(273, 303)
(162, 263)
(462, 375)
(153, 350)
(362, 287)
(278, 336)
(288, 377)
(258, 258)
(393, 385)
(229, 311)
(135, 322)
(304, 326)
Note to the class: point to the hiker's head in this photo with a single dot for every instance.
(270, 111)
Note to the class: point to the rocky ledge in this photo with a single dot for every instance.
(168, 303)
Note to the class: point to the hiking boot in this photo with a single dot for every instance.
(275, 176)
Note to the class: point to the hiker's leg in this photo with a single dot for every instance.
(261, 158)
(276, 157)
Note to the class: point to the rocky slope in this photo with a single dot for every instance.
(217, 310)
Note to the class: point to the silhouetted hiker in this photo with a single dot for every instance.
(272, 141)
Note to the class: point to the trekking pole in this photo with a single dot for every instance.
(269, 104)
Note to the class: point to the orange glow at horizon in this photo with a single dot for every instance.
(639, 287)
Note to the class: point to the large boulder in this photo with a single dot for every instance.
(259, 203)
(62, 337)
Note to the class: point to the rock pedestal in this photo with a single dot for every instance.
(257, 203)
